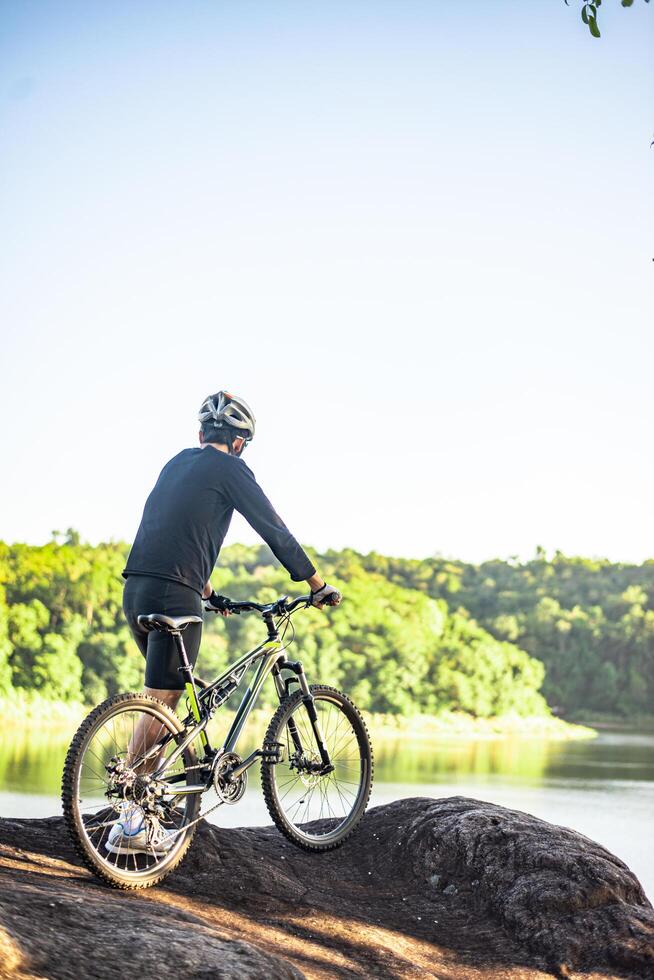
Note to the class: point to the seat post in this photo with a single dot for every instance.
(189, 682)
(186, 670)
(187, 673)
(183, 659)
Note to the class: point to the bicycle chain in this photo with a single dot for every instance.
(182, 830)
(202, 815)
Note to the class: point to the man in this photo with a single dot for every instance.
(178, 541)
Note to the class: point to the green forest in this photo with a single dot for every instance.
(411, 636)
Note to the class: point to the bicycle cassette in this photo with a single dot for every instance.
(229, 790)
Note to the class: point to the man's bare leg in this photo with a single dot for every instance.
(147, 729)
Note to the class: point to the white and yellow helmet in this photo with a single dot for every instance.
(224, 409)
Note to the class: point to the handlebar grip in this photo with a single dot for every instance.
(220, 603)
(231, 607)
(333, 599)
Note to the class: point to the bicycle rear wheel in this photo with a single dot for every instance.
(104, 783)
(315, 811)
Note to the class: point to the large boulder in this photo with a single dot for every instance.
(425, 888)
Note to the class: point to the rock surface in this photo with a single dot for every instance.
(452, 888)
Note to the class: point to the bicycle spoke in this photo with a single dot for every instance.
(352, 737)
(102, 798)
(303, 794)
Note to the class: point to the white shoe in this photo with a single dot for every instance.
(133, 833)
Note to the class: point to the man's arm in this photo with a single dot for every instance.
(248, 499)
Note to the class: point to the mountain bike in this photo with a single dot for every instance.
(133, 751)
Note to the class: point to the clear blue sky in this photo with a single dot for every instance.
(416, 236)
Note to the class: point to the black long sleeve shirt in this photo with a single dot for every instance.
(187, 515)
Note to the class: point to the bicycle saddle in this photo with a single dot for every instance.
(167, 624)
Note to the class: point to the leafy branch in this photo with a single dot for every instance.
(589, 13)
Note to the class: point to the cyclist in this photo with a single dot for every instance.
(178, 541)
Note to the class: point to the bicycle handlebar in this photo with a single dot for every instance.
(276, 608)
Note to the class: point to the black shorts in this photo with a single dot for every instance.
(143, 595)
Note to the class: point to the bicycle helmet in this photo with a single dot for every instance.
(229, 413)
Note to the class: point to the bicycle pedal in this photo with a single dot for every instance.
(273, 752)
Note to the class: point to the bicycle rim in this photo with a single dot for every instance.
(319, 809)
(95, 803)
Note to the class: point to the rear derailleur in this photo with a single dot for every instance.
(143, 790)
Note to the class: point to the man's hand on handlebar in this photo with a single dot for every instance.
(217, 603)
(325, 596)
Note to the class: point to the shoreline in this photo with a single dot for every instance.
(22, 709)
(458, 725)
(615, 723)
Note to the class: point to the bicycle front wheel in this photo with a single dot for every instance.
(318, 811)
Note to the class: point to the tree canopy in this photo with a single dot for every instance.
(412, 636)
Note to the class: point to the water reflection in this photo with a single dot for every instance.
(31, 760)
(420, 760)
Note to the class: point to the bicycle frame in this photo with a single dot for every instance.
(202, 706)
(269, 652)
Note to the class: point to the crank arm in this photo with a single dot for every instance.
(272, 753)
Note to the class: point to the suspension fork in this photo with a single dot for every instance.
(309, 703)
(283, 691)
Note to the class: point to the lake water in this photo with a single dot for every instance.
(602, 787)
